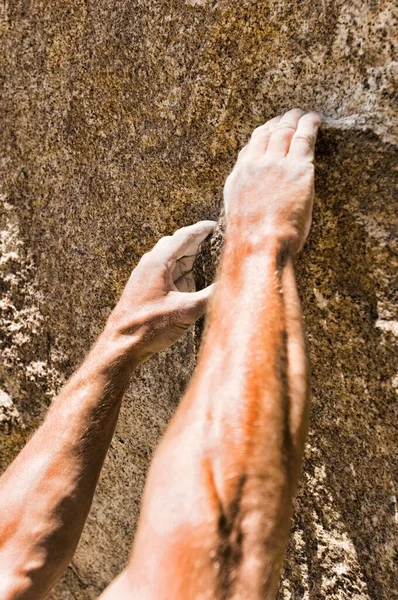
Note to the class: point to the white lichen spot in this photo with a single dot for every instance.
(197, 2)
(390, 326)
(336, 551)
(8, 411)
(372, 227)
(320, 299)
(36, 369)
(22, 325)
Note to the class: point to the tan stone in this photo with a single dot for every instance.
(121, 121)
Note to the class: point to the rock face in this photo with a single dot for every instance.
(120, 123)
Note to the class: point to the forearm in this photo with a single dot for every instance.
(247, 363)
(256, 397)
(233, 450)
(47, 491)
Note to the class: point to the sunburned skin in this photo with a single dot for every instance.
(216, 509)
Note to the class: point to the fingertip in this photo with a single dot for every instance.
(313, 117)
(200, 227)
(294, 113)
(211, 288)
(210, 225)
(274, 121)
(206, 293)
(204, 228)
(317, 118)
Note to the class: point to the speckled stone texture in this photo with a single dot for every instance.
(120, 121)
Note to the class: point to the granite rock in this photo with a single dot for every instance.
(120, 122)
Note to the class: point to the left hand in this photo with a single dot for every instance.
(158, 303)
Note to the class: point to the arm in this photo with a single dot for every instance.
(46, 493)
(217, 505)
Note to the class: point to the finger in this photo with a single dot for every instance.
(303, 141)
(282, 133)
(260, 137)
(196, 303)
(184, 242)
(186, 283)
(183, 265)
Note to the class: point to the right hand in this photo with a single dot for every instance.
(271, 188)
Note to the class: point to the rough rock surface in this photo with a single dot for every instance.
(120, 121)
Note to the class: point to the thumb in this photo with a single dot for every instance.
(196, 302)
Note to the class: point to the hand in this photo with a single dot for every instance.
(271, 188)
(156, 306)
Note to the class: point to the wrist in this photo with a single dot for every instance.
(257, 242)
(116, 354)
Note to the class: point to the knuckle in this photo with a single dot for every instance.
(153, 258)
(259, 129)
(229, 180)
(161, 244)
(241, 169)
(146, 260)
(146, 257)
(284, 125)
(248, 165)
(304, 137)
(276, 165)
(163, 240)
(247, 161)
